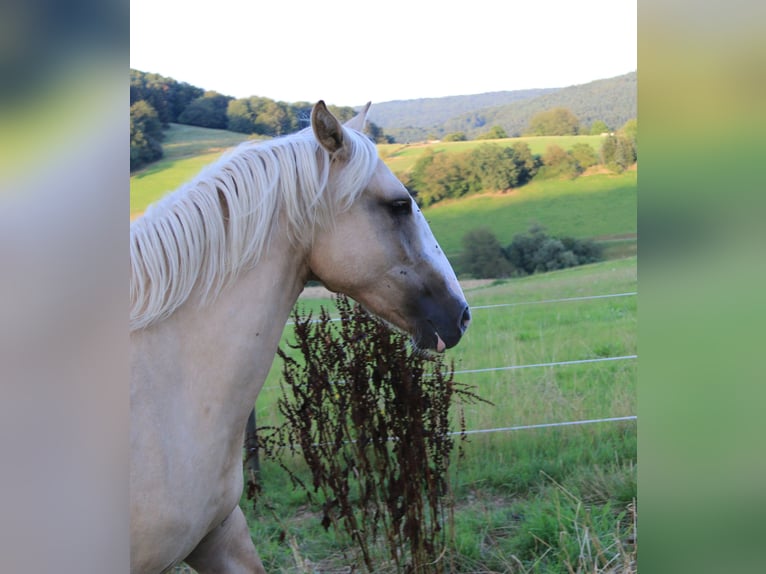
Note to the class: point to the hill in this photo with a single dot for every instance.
(601, 207)
(427, 112)
(612, 100)
(598, 206)
(400, 158)
(187, 149)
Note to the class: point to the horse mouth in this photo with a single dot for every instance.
(430, 339)
(441, 346)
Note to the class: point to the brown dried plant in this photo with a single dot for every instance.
(370, 415)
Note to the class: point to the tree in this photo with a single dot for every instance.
(209, 111)
(483, 256)
(618, 153)
(442, 175)
(527, 163)
(554, 122)
(145, 134)
(494, 167)
(584, 155)
(599, 127)
(376, 133)
(168, 97)
(630, 131)
(494, 133)
(455, 137)
(558, 163)
(239, 116)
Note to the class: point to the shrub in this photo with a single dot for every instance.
(482, 256)
(535, 252)
(455, 137)
(557, 162)
(370, 415)
(618, 153)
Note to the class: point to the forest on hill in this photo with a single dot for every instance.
(612, 101)
(156, 101)
(429, 112)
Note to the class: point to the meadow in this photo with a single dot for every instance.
(402, 157)
(530, 500)
(525, 499)
(187, 150)
(600, 206)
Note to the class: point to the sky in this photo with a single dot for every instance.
(350, 52)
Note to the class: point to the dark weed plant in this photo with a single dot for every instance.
(370, 415)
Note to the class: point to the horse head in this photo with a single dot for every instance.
(380, 250)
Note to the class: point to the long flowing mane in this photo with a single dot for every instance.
(208, 231)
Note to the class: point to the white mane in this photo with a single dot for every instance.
(209, 230)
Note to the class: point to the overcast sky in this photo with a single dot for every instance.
(350, 52)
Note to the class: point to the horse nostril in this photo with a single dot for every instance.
(465, 320)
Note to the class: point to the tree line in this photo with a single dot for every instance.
(157, 101)
(612, 101)
(492, 167)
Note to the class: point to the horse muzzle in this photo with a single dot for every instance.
(443, 326)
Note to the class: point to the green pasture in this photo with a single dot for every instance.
(599, 206)
(536, 500)
(187, 150)
(515, 492)
(402, 157)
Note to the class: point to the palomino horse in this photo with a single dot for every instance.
(216, 268)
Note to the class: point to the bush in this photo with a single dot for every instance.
(371, 416)
(537, 252)
(557, 162)
(618, 153)
(482, 256)
(455, 137)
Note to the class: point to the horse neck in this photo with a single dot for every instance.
(220, 353)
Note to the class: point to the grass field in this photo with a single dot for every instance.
(515, 492)
(596, 206)
(402, 157)
(528, 501)
(599, 206)
(187, 150)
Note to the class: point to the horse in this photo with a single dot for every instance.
(216, 267)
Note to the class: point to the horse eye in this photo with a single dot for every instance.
(401, 207)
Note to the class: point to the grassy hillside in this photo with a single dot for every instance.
(511, 484)
(600, 206)
(426, 112)
(402, 157)
(594, 206)
(613, 100)
(187, 150)
(515, 492)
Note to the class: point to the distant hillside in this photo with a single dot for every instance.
(427, 112)
(612, 100)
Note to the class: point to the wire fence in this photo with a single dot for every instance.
(538, 365)
(523, 303)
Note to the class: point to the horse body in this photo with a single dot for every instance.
(200, 352)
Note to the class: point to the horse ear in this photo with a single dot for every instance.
(359, 120)
(326, 127)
